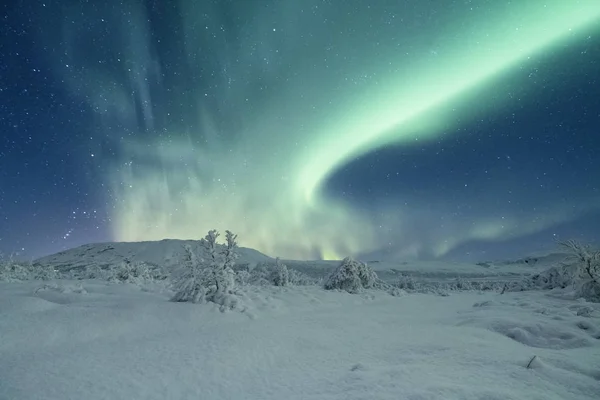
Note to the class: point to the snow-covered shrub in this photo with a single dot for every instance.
(43, 272)
(267, 274)
(229, 255)
(261, 275)
(297, 278)
(351, 276)
(560, 276)
(461, 284)
(14, 270)
(581, 271)
(411, 285)
(212, 279)
(133, 272)
(584, 263)
(242, 277)
(345, 277)
(406, 282)
(281, 275)
(368, 277)
(94, 271)
(136, 272)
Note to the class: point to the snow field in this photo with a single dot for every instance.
(92, 340)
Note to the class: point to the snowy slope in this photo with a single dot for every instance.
(100, 341)
(166, 253)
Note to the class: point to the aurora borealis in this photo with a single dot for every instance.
(257, 116)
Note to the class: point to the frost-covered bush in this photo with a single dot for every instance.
(368, 277)
(560, 276)
(297, 278)
(211, 279)
(133, 272)
(461, 284)
(281, 275)
(581, 271)
(261, 275)
(406, 282)
(584, 264)
(43, 272)
(267, 274)
(136, 272)
(94, 271)
(411, 285)
(12, 270)
(242, 277)
(351, 276)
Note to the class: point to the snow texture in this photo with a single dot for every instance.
(92, 340)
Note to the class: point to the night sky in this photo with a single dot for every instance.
(464, 130)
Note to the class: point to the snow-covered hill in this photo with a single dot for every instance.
(169, 253)
(166, 253)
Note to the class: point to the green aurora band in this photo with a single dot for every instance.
(267, 185)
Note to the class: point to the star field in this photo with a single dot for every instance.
(461, 130)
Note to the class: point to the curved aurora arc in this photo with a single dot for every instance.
(267, 187)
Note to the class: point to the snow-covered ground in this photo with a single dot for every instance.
(92, 340)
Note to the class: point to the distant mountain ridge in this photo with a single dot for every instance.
(166, 253)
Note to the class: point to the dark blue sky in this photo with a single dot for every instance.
(531, 157)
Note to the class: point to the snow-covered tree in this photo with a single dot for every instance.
(281, 275)
(193, 280)
(585, 266)
(351, 276)
(211, 279)
(133, 272)
(229, 254)
(210, 246)
(368, 277)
